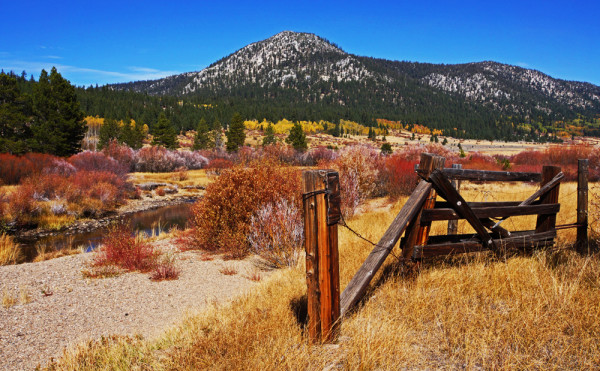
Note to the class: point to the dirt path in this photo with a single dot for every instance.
(77, 309)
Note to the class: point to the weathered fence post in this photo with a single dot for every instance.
(547, 222)
(417, 233)
(453, 224)
(582, 207)
(321, 207)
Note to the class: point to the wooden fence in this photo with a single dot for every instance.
(322, 212)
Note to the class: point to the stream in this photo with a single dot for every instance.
(150, 222)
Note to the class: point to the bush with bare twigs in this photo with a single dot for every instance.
(277, 234)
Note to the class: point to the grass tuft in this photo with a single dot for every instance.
(10, 253)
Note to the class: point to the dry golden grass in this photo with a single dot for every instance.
(54, 222)
(47, 252)
(24, 296)
(529, 312)
(10, 253)
(194, 178)
(8, 300)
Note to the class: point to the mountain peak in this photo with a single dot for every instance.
(279, 60)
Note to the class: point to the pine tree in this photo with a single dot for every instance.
(297, 138)
(108, 131)
(15, 135)
(235, 135)
(202, 138)
(217, 135)
(386, 149)
(137, 136)
(164, 133)
(269, 136)
(58, 126)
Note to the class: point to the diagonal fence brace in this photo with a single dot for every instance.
(445, 189)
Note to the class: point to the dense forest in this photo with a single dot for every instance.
(27, 122)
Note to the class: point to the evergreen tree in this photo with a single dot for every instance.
(269, 136)
(202, 138)
(386, 149)
(15, 135)
(126, 135)
(445, 141)
(217, 135)
(235, 135)
(108, 131)
(297, 138)
(164, 133)
(138, 135)
(58, 126)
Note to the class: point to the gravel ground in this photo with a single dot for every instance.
(75, 309)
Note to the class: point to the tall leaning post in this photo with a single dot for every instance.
(547, 222)
(417, 234)
(453, 224)
(322, 259)
(582, 207)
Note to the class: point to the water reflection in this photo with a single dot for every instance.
(150, 222)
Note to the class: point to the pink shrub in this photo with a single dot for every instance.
(97, 161)
(122, 153)
(276, 233)
(192, 160)
(158, 159)
(60, 167)
(358, 167)
(318, 155)
(165, 269)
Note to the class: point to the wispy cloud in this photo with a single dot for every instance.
(52, 57)
(523, 64)
(84, 75)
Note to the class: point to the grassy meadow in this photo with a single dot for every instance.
(536, 311)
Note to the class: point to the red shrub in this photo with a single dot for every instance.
(221, 220)
(282, 153)
(21, 204)
(217, 165)
(564, 156)
(47, 186)
(480, 161)
(107, 187)
(14, 168)
(398, 175)
(122, 249)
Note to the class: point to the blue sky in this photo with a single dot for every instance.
(118, 41)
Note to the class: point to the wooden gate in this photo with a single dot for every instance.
(414, 221)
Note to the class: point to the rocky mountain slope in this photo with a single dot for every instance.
(302, 75)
